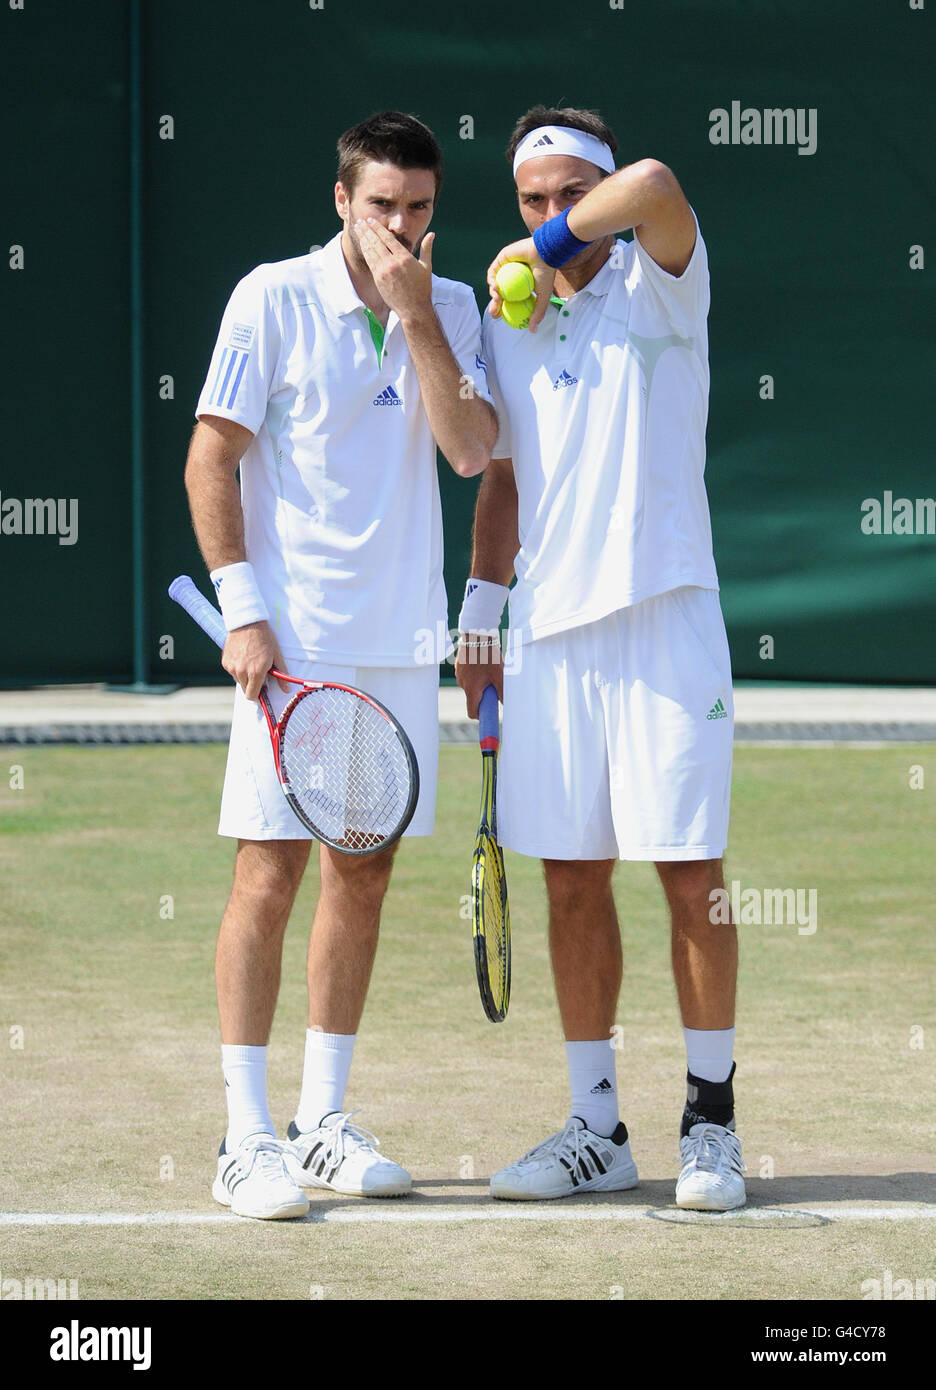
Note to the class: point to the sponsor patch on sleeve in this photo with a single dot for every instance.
(242, 336)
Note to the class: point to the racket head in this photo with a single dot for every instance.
(490, 921)
(347, 768)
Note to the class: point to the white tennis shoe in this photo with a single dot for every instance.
(253, 1181)
(711, 1177)
(573, 1160)
(343, 1158)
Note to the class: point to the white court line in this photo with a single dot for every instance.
(831, 1211)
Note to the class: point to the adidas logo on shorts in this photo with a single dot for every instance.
(718, 710)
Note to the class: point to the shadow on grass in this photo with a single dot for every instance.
(845, 1188)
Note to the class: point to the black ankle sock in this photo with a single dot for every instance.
(707, 1102)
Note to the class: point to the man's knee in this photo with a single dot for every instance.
(267, 874)
(571, 883)
(689, 884)
(365, 876)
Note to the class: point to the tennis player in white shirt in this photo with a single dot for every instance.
(334, 377)
(618, 716)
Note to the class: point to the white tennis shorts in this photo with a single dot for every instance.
(617, 736)
(253, 806)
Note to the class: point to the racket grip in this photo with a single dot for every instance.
(489, 720)
(185, 593)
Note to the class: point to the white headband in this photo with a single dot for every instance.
(562, 139)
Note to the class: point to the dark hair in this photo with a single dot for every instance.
(391, 137)
(588, 121)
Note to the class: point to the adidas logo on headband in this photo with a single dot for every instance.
(559, 139)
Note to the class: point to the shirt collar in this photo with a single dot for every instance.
(600, 284)
(342, 296)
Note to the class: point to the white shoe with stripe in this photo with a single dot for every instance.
(343, 1158)
(253, 1181)
(711, 1177)
(573, 1160)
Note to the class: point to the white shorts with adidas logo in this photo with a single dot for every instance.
(617, 736)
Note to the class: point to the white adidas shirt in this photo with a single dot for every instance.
(603, 411)
(343, 522)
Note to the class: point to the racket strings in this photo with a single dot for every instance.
(494, 919)
(345, 766)
(492, 923)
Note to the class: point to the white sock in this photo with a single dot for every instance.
(593, 1082)
(246, 1091)
(324, 1076)
(709, 1052)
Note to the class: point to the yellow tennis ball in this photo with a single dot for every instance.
(517, 313)
(514, 281)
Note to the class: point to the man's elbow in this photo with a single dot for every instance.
(471, 462)
(661, 182)
(475, 456)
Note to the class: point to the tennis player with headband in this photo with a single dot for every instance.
(617, 725)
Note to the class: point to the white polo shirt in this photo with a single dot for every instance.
(343, 522)
(603, 411)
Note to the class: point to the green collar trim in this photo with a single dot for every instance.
(376, 332)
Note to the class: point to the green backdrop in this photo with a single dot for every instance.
(810, 258)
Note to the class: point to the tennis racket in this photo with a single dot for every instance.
(490, 920)
(346, 766)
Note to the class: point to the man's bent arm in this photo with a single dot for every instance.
(647, 197)
(464, 425)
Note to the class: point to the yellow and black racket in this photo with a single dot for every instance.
(490, 918)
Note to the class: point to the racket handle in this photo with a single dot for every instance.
(489, 720)
(185, 593)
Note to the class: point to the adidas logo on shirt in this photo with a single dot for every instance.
(602, 1089)
(387, 397)
(718, 710)
(563, 379)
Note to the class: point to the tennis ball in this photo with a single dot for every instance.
(514, 281)
(517, 314)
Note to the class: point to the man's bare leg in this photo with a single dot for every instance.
(267, 874)
(251, 1176)
(342, 947)
(705, 967)
(584, 944)
(705, 956)
(343, 942)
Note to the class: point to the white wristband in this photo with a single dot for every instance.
(482, 606)
(240, 599)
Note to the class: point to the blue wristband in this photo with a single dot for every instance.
(555, 244)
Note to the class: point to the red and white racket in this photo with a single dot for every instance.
(345, 764)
